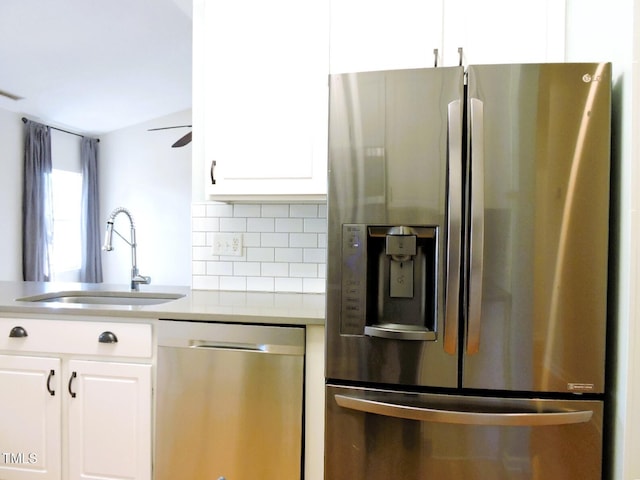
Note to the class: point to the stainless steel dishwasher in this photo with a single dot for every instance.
(229, 401)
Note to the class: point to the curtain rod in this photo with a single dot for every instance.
(24, 120)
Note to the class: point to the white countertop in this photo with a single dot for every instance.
(197, 305)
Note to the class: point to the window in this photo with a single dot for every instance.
(66, 249)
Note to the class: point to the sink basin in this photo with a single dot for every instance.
(94, 297)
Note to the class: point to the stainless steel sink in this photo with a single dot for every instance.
(94, 297)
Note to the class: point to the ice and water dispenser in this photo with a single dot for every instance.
(389, 281)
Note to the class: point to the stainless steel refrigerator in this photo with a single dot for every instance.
(468, 218)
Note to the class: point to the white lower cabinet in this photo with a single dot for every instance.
(69, 416)
(109, 420)
(30, 418)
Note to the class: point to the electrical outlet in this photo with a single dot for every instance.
(227, 244)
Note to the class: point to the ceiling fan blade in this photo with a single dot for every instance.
(167, 128)
(183, 141)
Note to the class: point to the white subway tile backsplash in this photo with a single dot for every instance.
(205, 224)
(246, 269)
(322, 210)
(289, 255)
(260, 224)
(275, 210)
(284, 247)
(274, 240)
(313, 285)
(275, 269)
(260, 284)
(289, 225)
(314, 255)
(251, 239)
(201, 254)
(233, 224)
(198, 210)
(303, 240)
(260, 254)
(304, 210)
(233, 283)
(246, 210)
(304, 270)
(288, 285)
(199, 239)
(219, 268)
(199, 268)
(318, 225)
(218, 210)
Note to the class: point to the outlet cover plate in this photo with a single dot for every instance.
(227, 244)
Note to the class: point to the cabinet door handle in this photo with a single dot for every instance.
(108, 337)
(18, 332)
(51, 374)
(72, 393)
(213, 178)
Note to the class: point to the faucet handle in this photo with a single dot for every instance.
(137, 279)
(141, 279)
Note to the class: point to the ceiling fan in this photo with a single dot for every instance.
(182, 141)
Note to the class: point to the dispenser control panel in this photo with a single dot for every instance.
(354, 278)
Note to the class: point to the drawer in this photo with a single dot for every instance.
(76, 337)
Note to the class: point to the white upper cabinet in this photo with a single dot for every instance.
(503, 31)
(381, 35)
(264, 97)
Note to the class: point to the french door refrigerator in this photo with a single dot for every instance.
(468, 221)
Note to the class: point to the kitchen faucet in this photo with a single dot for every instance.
(136, 278)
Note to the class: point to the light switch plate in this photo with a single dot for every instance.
(227, 244)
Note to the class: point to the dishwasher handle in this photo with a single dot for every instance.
(248, 347)
(463, 417)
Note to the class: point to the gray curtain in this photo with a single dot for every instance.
(91, 269)
(37, 209)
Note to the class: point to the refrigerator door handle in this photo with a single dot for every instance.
(465, 417)
(454, 227)
(476, 240)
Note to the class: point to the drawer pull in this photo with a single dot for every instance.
(108, 337)
(18, 332)
(51, 374)
(72, 393)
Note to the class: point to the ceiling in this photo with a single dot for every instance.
(94, 66)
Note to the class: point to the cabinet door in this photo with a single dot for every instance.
(30, 400)
(503, 31)
(379, 35)
(109, 420)
(265, 96)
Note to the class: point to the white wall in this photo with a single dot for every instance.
(11, 151)
(138, 170)
(141, 172)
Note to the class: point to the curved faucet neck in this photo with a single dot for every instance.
(136, 278)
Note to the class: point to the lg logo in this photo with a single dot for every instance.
(586, 78)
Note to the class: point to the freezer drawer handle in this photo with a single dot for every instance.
(511, 419)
